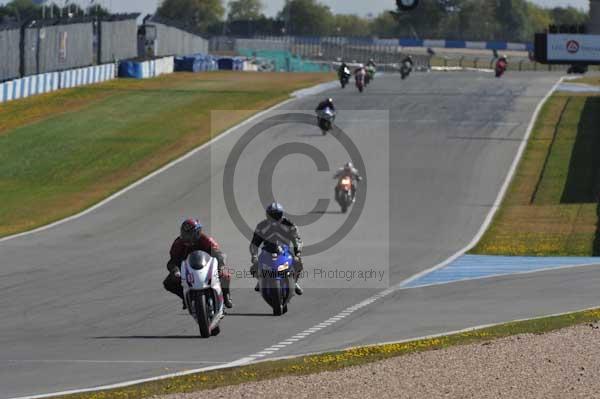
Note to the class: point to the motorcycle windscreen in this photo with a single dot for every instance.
(198, 260)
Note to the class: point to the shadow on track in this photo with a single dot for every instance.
(149, 337)
(250, 314)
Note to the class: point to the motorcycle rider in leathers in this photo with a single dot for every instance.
(341, 70)
(271, 232)
(192, 239)
(347, 171)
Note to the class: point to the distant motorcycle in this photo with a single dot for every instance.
(406, 69)
(202, 292)
(370, 76)
(325, 119)
(360, 82)
(276, 278)
(345, 77)
(501, 66)
(345, 196)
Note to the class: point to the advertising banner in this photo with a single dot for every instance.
(574, 48)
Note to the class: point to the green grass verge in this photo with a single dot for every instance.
(551, 207)
(590, 80)
(65, 151)
(336, 360)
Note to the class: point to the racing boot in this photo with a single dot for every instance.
(227, 298)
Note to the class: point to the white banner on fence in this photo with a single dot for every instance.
(573, 47)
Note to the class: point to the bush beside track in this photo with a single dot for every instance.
(551, 208)
(65, 151)
(312, 364)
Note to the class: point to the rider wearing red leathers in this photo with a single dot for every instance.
(192, 239)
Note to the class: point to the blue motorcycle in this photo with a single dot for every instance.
(276, 278)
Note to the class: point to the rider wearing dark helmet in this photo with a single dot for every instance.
(341, 69)
(327, 103)
(273, 231)
(192, 239)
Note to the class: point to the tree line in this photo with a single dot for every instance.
(510, 20)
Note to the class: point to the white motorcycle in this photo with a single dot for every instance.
(202, 291)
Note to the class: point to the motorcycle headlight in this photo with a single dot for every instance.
(283, 267)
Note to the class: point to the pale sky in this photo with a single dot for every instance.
(272, 7)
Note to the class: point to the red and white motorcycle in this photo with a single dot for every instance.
(501, 66)
(359, 78)
(345, 191)
(202, 291)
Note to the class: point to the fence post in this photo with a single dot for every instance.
(520, 65)
(460, 61)
(475, 62)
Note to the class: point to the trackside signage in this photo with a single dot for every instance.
(572, 47)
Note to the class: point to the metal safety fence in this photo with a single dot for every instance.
(53, 45)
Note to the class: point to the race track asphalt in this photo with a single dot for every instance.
(82, 303)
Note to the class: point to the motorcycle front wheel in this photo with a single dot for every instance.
(277, 298)
(201, 307)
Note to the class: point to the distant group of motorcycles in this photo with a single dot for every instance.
(363, 75)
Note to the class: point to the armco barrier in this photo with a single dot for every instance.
(285, 43)
(53, 81)
(146, 69)
(466, 44)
